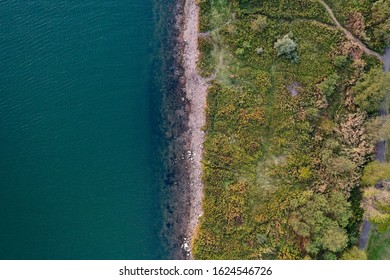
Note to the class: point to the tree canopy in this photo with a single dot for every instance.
(375, 172)
(371, 89)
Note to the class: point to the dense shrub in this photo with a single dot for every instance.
(286, 47)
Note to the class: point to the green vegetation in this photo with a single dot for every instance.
(354, 254)
(384, 132)
(259, 23)
(206, 60)
(379, 245)
(367, 19)
(376, 203)
(321, 219)
(287, 138)
(287, 48)
(380, 21)
(371, 89)
(375, 172)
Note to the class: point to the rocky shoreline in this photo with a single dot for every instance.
(196, 92)
(184, 103)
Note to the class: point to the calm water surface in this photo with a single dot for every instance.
(79, 171)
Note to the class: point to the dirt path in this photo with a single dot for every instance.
(196, 92)
(348, 34)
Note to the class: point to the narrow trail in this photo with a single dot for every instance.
(348, 34)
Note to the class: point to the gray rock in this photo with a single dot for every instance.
(259, 51)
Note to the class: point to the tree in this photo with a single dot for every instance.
(375, 172)
(354, 254)
(381, 20)
(320, 220)
(378, 129)
(287, 48)
(339, 208)
(371, 89)
(334, 238)
(339, 166)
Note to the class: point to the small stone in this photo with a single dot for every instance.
(259, 51)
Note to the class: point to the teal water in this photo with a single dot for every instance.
(79, 167)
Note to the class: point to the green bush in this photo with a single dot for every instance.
(286, 47)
